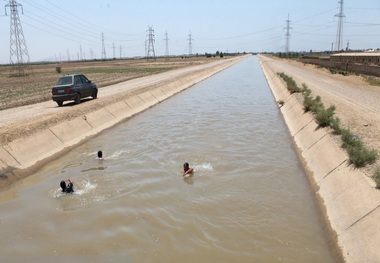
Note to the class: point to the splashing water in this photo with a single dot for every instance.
(206, 167)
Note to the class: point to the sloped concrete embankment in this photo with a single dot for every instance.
(349, 198)
(33, 151)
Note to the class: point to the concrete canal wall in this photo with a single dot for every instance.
(348, 197)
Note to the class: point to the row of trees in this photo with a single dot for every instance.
(217, 54)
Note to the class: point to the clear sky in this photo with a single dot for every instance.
(54, 29)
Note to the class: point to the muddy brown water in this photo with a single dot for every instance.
(248, 200)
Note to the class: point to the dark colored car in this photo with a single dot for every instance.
(73, 87)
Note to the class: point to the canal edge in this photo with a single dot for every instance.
(348, 199)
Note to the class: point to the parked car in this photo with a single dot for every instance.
(73, 87)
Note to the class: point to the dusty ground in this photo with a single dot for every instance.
(36, 85)
(357, 103)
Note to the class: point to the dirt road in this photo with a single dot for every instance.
(357, 102)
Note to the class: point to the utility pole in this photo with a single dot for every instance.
(81, 52)
(190, 45)
(287, 35)
(166, 46)
(103, 48)
(339, 31)
(19, 56)
(348, 45)
(68, 54)
(150, 51)
(332, 46)
(120, 49)
(113, 47)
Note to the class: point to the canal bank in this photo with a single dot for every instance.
(20, 157)
(248, 200)
(347, 196)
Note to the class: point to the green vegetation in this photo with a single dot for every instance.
(336, 71)
(358, 154)
(291, 55)
(376, 177)
(373, 81)
(290, 83)
(324, 116)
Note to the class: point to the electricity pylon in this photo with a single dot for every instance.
(166, 45)
(150, 50)
(287, 35)
(339, 31)
(19, 56)
(103, 47)
(190, 45)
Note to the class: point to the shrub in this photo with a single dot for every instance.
(357, 153)
(360, 156)
(316, 105)
(290, 83)
(324, 116)
(305, 90)
(335, 125)
(376, 177)
(349, 140)
(58, 69)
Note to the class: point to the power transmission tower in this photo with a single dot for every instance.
(150, 50)
(103, 47)
(19, 56)
(190, 45)
(339, 31)
(120, 49)
(166, 45)
(287, 35)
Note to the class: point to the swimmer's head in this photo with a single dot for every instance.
(63, 185)
(100, 154)
(186, 166)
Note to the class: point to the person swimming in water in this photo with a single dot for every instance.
(69, 188)
(100, 155)
(187, 169)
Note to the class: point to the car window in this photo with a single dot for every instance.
(84, 79)
(77, 80)
(65, 81)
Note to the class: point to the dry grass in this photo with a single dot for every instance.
(36, 87)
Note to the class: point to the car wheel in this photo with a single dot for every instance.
(60, 103)
(94, 94)
(77, 99)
